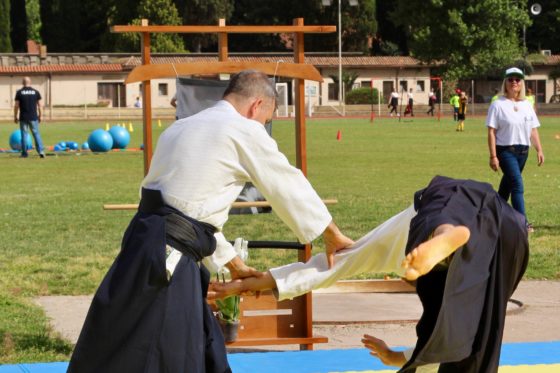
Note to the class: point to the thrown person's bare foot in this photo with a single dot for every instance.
(446, 240)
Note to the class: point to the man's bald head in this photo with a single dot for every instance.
(26, 81)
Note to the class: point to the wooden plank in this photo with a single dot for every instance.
(157, 71)
(247, 342)
(134, 206)
(368, 286)
(315, 29)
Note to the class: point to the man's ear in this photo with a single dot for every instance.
(254, 107)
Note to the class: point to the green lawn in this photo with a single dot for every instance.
(55, 238)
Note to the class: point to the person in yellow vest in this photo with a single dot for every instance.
(461, 114)
(530, 98)
(496, 95)
(454, 102)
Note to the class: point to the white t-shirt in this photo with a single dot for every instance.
(395, 95)
(202, 162)
(513, 127)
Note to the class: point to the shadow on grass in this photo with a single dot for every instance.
(14, 343)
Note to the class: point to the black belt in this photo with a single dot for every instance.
(190, 236)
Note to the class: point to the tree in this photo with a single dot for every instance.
(358, 24)
(544, 31)
(60, 29)
(5, 42)
(204, 12)
(157, 12)
(18, 21)
(470, 38)
(33, 20)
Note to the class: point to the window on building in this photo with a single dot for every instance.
(333, 92)
(113, 94)
(404, 85)
(365, 84)
(420, 86)
(162, 89)
(539, 89)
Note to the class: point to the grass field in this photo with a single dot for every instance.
(55, 238)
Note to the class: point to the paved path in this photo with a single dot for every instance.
(344, 318)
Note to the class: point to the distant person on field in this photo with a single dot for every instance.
(410, 106)
(29, 107)
(454, 102)
(394, 103)
(138, 102)
(462, 113)
(432, 99)
(530, 97)
(496, 95)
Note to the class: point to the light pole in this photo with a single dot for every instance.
(339, 28)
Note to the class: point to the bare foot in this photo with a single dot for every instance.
(447, 239)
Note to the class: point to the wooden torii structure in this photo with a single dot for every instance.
(286, 322)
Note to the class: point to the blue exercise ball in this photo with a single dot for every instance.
(58, 148)
(15, 140)
(72, 145)
(100, 141)
(85, 146)
(121, 137)
(62, 145)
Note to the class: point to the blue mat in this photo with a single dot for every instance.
(324, 361)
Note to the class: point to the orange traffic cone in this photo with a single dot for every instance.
(338, 135)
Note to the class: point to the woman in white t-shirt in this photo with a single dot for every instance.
(512, 128)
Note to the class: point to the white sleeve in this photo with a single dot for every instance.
(223, 254)
(290, 194)
(491, 118)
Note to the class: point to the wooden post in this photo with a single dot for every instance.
(147, 101)
(301, 162)
(299, 102)
(222, 42)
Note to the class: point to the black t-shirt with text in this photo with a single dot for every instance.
(28, 98)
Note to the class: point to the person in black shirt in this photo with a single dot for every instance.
(28, 104)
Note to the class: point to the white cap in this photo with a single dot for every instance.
(514, 71)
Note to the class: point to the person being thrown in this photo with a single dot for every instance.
(466, 250)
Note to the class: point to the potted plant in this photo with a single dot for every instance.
(228, 316)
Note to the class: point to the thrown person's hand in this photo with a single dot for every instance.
(220, 290)
(334, 241)
(379, 349)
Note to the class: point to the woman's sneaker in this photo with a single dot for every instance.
(530, 228)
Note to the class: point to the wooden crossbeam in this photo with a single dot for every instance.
(315, 29)
(165, 70)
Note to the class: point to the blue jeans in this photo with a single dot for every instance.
(24, 126)
(512, 161)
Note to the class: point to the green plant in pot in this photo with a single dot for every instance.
(228, 316)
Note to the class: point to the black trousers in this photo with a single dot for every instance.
(139, 321)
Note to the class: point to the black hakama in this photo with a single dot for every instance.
(139, 321)
(465, 304)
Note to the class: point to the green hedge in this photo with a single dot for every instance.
(362, 96)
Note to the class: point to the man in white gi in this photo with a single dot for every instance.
(150, 313)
